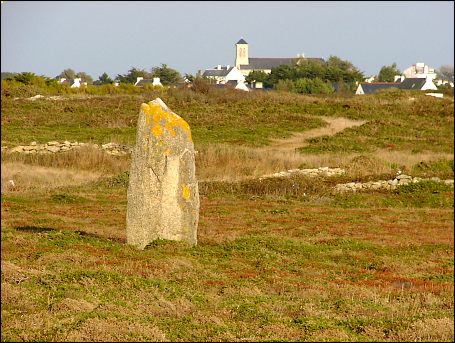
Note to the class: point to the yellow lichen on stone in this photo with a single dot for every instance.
(185, 192)
(157, 130)
(156, 116)
(170, 129)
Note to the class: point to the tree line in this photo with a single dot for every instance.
(311, 76)
(167, 75)
(305, 76)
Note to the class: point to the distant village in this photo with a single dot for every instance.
(418, 76)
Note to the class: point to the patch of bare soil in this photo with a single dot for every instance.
(298, 140)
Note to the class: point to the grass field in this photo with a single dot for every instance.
(282, 259)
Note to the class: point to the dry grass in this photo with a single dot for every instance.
(223, 162)
(428, 330)
(27, 177)
(216, 162)
(49, 171)
(83, 158)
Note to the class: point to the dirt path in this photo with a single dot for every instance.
(297, 140)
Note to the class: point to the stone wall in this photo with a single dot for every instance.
(322, 171)
(383, 184)
(54, 147)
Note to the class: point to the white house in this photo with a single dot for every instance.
(418, 83)
(242, 86)
(140, 81)
(76, 82)
(398, 78)
(440, 82)
(371, 87)
(222, 75)
(415, 83)
(419, 70)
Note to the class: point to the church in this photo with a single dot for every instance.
(247, 64)
(244, 65)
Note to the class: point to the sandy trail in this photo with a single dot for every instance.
(297, 140)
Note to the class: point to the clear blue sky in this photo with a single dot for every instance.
(46, 37)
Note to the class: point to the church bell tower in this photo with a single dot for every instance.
(241, 53)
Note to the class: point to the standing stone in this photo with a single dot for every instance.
(163, 195)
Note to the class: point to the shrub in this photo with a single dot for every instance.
(427, 186)
(312, 86)
(200, 86)
(285, 85)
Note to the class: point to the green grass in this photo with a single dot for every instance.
(252, 119)
(410, 131)
(281, 259)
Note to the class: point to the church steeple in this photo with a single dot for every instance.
(241, 53)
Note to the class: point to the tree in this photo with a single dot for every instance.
(167, 75)
(387, 73)
(104, 79)
(445, 72)
(282, 72)
(84, 77)
(259, 76)
(334, 71)
(189, 77)
(8, 75)
(68, 74)
(132, 75)
(310, 69)
(26, 78)
(345, 72)
(312, 86)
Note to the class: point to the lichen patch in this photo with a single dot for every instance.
(185, 192)
(160, 120)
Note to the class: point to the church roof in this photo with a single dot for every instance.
(267, 63)
(241, 41)
(272, 62)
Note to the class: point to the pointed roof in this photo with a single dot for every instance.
(413, 83)
(217, 72)
(241, 41)
(371, 87)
